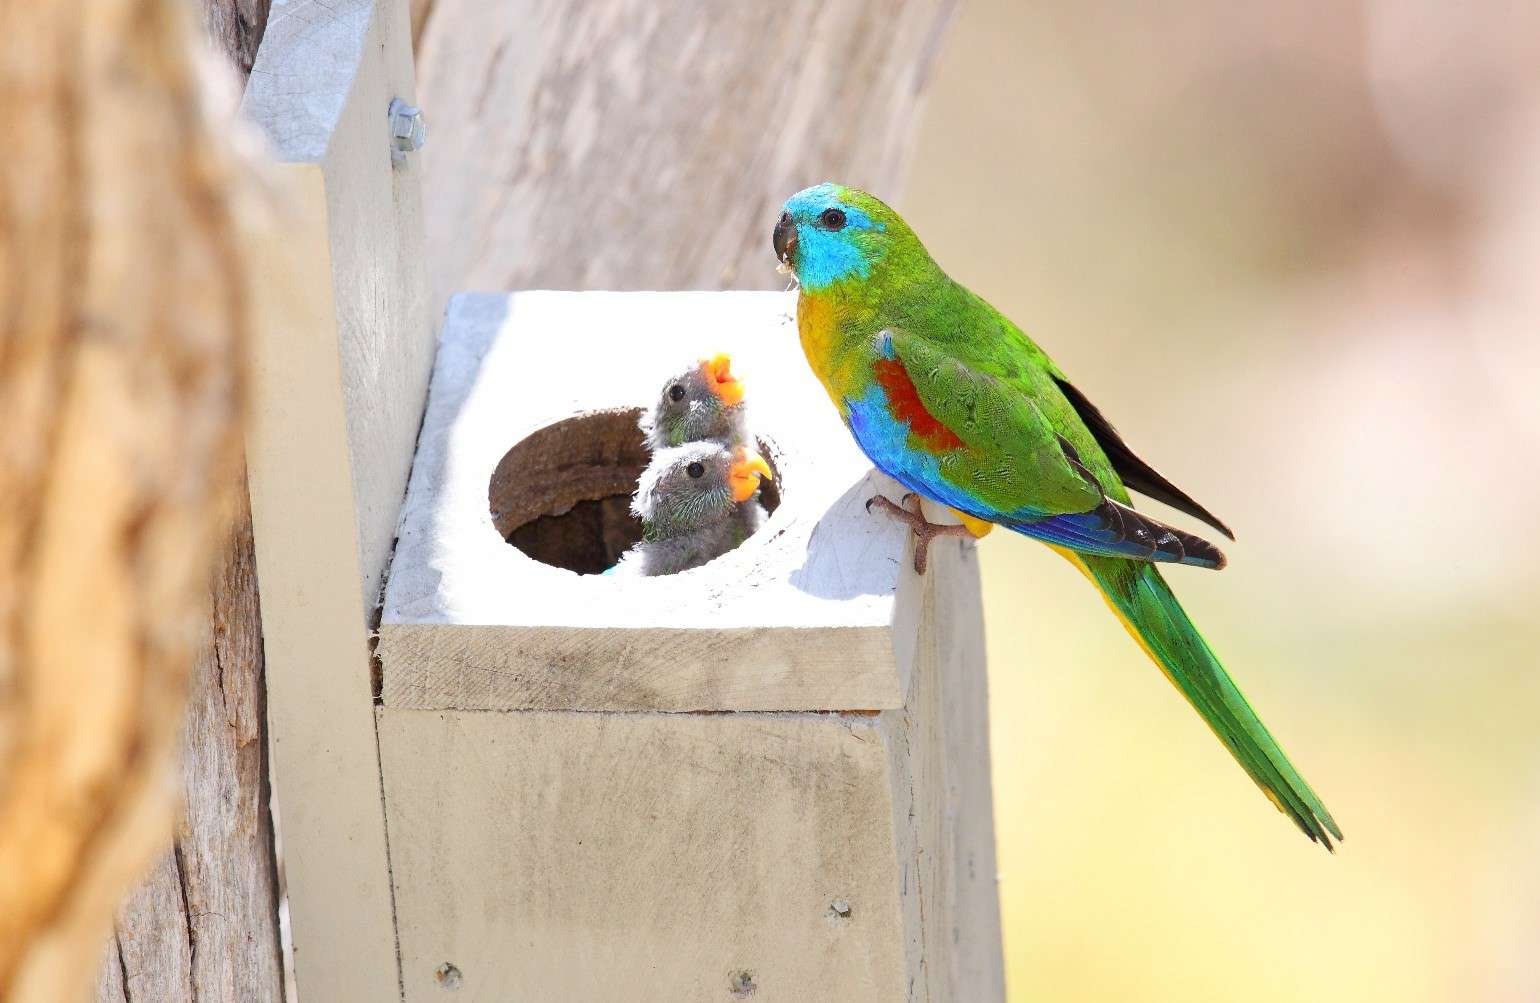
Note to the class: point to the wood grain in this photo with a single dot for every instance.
(120, 387)
(211, 904)
(643, 857)
(235, 28)
(637, 145)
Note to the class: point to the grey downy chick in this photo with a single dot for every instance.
(703, 402)
(696, 503)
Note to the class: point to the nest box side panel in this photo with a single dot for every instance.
(341, 362)
(645, 857)
(943, 811)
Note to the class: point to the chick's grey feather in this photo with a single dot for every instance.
(699, 414)
(687, 521)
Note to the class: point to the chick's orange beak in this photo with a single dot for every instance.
(719, 377)
(744, 475)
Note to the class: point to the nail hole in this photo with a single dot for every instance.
(840, 908)
(742, 985)
(447, 976)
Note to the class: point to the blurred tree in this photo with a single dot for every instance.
(119, 389)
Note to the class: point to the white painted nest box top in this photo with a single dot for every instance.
(816, 611)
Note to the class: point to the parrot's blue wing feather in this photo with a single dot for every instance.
(1109, 530)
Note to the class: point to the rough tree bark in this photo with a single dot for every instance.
(204, 924)
(120, 340)
(627, 144)
(235, 27)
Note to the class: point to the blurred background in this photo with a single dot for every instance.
(1291, 251)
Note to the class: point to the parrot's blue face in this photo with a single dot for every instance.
(824, 236)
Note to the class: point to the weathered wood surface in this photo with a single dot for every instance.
(636, 145)
(235, 28)
(210, 906)
(684, 857)
(943, 805)
(472, 622)
(125, 314)
(342, 353)
(643, 856)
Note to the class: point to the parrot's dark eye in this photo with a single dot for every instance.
(832, 218)
(695, 470)
(676, 392)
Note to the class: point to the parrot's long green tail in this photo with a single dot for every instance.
(1144, 603)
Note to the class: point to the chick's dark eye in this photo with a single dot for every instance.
(676, 392)
(832, 218)
(695, 470)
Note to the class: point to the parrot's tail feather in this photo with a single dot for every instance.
(1147, 608)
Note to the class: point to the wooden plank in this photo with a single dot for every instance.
(341, 372)
(320, 88)
(614, 145)
(497, 667)
(472, 622)
(943, 818)
(325, 769)
(646, 857)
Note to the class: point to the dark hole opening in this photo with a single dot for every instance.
(563, 494)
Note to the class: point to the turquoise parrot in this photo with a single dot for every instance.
(953, 401)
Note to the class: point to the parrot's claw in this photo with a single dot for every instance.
(924, 530)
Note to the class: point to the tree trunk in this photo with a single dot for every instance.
(625, 144)
(120, 344)
(204, 924)
(235, 27)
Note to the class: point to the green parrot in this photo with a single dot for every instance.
(953, 401)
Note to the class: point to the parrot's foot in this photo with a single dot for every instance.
(924, 530)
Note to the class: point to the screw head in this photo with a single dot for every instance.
(408, 130)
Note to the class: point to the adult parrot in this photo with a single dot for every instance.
(953, 401)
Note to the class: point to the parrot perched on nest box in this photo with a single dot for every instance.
(703, 402)
(953, 401)
(696, 502)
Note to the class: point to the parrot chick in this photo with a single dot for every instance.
(703, 402)
(696, 503)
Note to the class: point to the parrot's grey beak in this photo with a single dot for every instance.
(785, 238)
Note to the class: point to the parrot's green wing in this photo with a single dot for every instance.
(1016, 468)
(1014, 460)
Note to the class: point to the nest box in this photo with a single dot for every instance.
(764, 778)
(744, 759)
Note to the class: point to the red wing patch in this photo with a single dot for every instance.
(904, 405)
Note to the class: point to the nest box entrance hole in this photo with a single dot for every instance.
(562, 495)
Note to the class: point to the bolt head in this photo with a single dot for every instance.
(408, 130)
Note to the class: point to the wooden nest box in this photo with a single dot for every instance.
(744, 760)
(765, 778)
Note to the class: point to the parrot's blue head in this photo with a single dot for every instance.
(829, 233)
